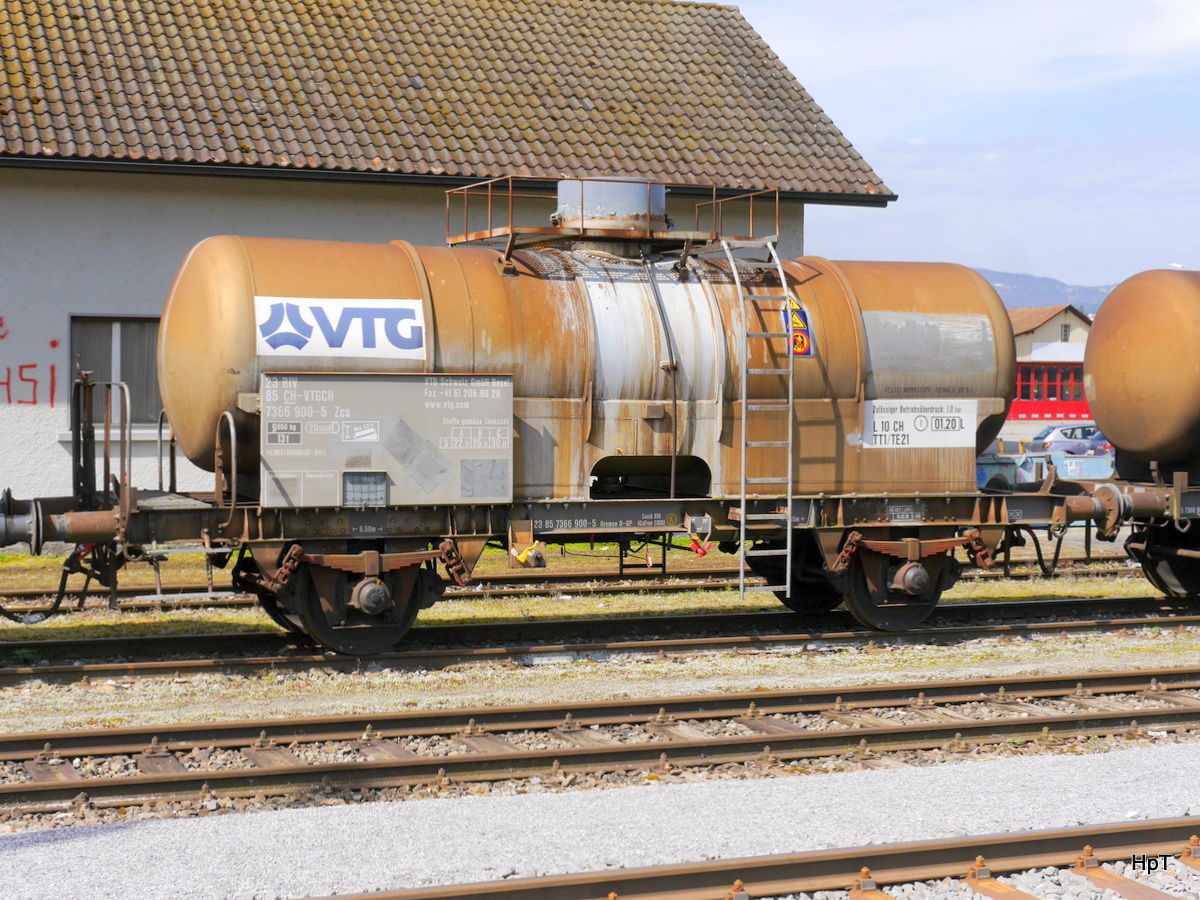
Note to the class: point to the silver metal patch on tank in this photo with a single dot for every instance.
(693, 332)
(628, 340)
(929, 355)
(631, 335)
(484, 478)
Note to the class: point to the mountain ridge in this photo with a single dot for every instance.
(1019, 291)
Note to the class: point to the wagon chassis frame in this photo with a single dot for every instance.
(873, 548)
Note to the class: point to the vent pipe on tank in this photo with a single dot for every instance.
(611, 205)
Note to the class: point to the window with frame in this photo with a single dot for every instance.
(1065, 333)
(120, 349)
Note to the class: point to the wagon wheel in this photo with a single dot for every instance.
(873, 604)
(279, 615)
(1175, 576)
(812, 594)
(1156, 578)
(1150, 569)
(324, 599)
(244, 577)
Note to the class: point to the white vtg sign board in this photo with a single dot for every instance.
(919, 423)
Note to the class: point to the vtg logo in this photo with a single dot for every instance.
(298, 326)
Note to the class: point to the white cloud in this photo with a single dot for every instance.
(899, 64)
(1082, 213)
(1054, 137)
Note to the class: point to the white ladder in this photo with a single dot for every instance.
(756, 308)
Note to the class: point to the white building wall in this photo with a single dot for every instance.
(109, 244)
(75, 242)
(1050, 332)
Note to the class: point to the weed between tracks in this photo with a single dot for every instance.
(35, 706)
(105, 623)
(1002, 590)
(102, 622)
(23, 572)
(19, 572)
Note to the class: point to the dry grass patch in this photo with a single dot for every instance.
(1000, 590)
(17, 571)
(106, 623)
(24, 573)
(570, 605)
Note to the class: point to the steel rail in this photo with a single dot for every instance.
(820, 870)
(520, 577)
(662, 755)
(957, 735)
(112, 741)
(782, 622)
(549, 652)
(522, 583)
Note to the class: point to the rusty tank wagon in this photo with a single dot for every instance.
(1142, 378)
(375, 415)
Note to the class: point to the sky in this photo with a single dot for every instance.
(1058, 138)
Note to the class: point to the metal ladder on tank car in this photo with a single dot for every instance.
(754, 304)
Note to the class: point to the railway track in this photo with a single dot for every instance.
(873, 726)
(867, 872)
(61, 661)
(523, 583)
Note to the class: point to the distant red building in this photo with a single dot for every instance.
(1049, 341)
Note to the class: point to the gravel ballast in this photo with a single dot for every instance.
(358, 848)
(37, 706)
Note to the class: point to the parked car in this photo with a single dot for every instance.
(1071, 439)
(1099, 445)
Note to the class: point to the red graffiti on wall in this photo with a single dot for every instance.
(21, 384)
(29, 384)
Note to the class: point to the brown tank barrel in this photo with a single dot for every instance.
(930, 329)
(612, 359)
(1141, 369)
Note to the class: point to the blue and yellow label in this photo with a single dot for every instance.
(802, 341)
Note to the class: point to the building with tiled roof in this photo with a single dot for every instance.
(1049, 342)
(1036, 327)
(467, 89)
(132, 129)
(1026, 320)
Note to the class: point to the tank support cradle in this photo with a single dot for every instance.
(364, 603)
(895, 584)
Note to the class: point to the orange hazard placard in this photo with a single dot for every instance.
(802, 344)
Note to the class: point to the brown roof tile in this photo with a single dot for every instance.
(478, 88)
(1028, 318)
